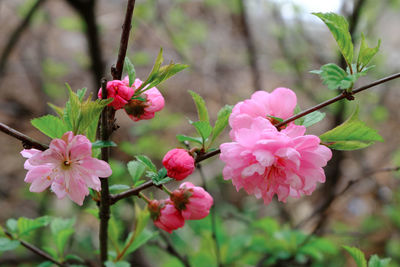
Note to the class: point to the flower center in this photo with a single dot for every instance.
(66, 164)
(135, 107)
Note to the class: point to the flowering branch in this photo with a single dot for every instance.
(27, 141)
(35, 250)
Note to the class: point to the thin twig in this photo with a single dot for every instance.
(104, 212)
(34, 249)
(27, 141)
(126, 28)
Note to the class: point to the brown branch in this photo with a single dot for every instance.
(27, 141)
(34, 249)
(16, 34)
(126, 28)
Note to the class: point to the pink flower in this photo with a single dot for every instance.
(193, 201)
(67, 166)
(165, 216)
(265, 161)
(138, 109)
(179, 163)
(121, 93)
(280, 103)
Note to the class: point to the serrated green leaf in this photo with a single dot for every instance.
(333, 76)
(222, 121)
(203, 128)
(57, 109)
(26, 225)
(154, 71)
(166, 72)
(313, 118)
(90, 111)
(182, 138)
(351, 135)
(74, 257)
(146, 161)
(375, 261)
(366, 53)
(339, 28)
(72, 110)
(119, 187)
(46, 264)
(159, 178)
(201, 107)
(357, 255)
(7, 244)
(142, 218)
(136, 169)
(115, 228)
(81, 93)
(131, 70)
(50, 125)
(101, 143)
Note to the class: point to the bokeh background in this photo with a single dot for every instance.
(233, 47)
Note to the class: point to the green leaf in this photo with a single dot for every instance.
(142, 218)
(81, 93)
(90, 111)
(357, 255)
(59, 224)
(166, 72)
(50, 125)
(351, 135)
(7, 244)
(366, 53)
(131, 70)
(119, 187)
(339, 28)
(201, 107)
(222, 121)
(57, 109)
(61, 239)
(203, 128)
(334, 77)
(375, 261)
(101, 143)
(146, 161)
(46, 264)
(160, 177)
(26, 225)
(313, 118)
(72, 110)
(136, 169)
(182, 138)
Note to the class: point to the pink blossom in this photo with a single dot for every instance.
(121, 93)
(67, 166)
(137, 109)
(279, 103)
(179, 163)
(265, 161)
(193, 201)
(165, 216)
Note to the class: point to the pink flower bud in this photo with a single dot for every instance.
(193, 201)
(145, 108)
(165, 216)
(179, 163)
(120, 92)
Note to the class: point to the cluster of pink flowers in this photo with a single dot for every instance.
(67, 167)
(264, 160)
(189, 202)
(143, 107)
(179, 163)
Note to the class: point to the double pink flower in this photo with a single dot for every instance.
(67, 167)
(265, 161)
(142, 108)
